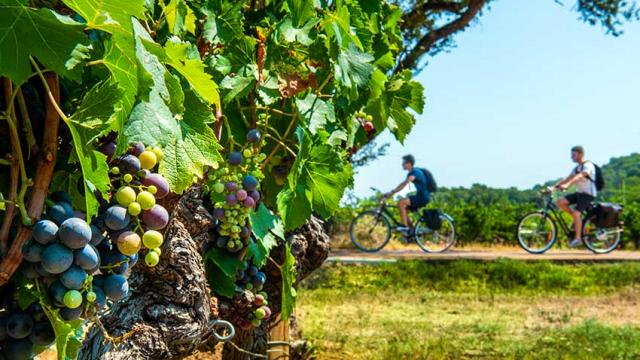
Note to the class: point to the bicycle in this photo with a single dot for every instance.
(537, 231)
(370, 231)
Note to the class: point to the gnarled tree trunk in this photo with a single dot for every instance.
(168, 311)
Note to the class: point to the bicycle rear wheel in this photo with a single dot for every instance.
(436, 241)
(600, 240)
(536, 232)
(370, 231)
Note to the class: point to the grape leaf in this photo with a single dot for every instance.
(269, 91)
(228, 263)
(292, 34)
(220, 283)
(224, 21)
(316, 112)
(353, 68)
(288, 271)
(68, 182)
(179, 16)
(266, 226)
(51, 39)
(91, 120)
(236, 86)
(294, 206)
(338, 26)
(178, 55)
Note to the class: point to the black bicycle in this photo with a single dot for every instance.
(538, 231)
(371, 229)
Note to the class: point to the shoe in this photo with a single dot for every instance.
(575, 243)
(403, 229)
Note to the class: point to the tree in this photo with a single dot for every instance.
(428, 26)
(169, 161)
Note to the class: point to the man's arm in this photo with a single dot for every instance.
(409, 179)
(570, 180)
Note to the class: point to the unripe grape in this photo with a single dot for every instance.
(157, 251)
(249, 202)
(152, 189)
(148, 160)
(158, 152)
(261, 157)
(151, 259)
(241, 195)
(91, 296)
(369, 118)
(115, 170)
(256, 322)
(128, 243)
(127, 178)
(152, 239)
(134, 209)
(146, 200)
(125, 195)
(259, 313)
(231, 244)
(247, 153)
(72, 299)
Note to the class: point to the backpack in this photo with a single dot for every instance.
(432, 186)
(599, 180)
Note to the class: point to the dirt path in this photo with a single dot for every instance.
(353, 255)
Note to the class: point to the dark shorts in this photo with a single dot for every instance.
(417, 202)
(580, 200)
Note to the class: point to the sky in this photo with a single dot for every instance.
(522, 86)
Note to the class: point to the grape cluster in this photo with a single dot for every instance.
(21, 330)
(366, 121)
(133, 219)
(250, 278)
(234, 189)
(62, 255)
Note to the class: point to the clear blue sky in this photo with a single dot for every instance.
(523, 85)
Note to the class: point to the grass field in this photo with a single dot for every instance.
(473, 310)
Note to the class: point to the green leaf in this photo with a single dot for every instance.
(316, 112)
(178, 55)
(236, 86)
(266, 226)
(288, 271)
(49, 37)
(68, 182)
(338, 26)
(179, 16)
(2, 202)
(224, 21)
(220, 283)
(269, 91)
(294, 34)
(300, 11)
(294, 206)
(228, 263)
(91, 120)
(353, 68)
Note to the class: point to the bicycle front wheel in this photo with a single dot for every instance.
(370, 231)
(537, 232)
(436, 241)
(600, 240)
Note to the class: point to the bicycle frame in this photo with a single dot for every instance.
(383, 208)
(551, 210)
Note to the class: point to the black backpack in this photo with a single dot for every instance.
(432, 186)
(599, 180)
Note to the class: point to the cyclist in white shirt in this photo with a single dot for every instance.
(583, 177)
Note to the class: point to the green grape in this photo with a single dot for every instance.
(72, 299)
(152, 239)
(152, 259)
(218, 187)
(259, 313)
(247, 153)
(152, 189)
(91, 296)
(231, 244)
(134, 209)
(125, 195)
(127, 178)
(157, 251)
(115, 170)
(148, 159)
(249, 286)
(146, 200)
(158, 152)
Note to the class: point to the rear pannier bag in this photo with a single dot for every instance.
(433, 218)
(607, 215)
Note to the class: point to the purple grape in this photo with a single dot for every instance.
(116, 287)
(221, 242)
(87, 257)
(117, 218)
(57, 291)
(249, 202)
(45, 231)
(253, 136)
(60, 212)
(101, 298)
(71, 314)
(241, 195)
(218, 214)
(56, 258)
(235, 158)
(133, 259)
(155, 218)
(19, 326)
(75, 233)
(249, 183)
(159, 182)
(231, 186)
(252, 271)
(29, 270)
(231, 199)
(73, 278)
(261, 277)
(245, 232)
(96, 235)
(108, 149)
(136, 149)
(42, 333)
(32, 252)
(129, 164)
(254, 194)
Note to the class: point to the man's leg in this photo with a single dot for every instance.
(402, 206)
(563, 204)
(577, 223)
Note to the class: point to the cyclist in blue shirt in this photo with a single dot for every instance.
(420, 199)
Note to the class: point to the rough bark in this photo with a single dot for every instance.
(168, 311)
(310, 246)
